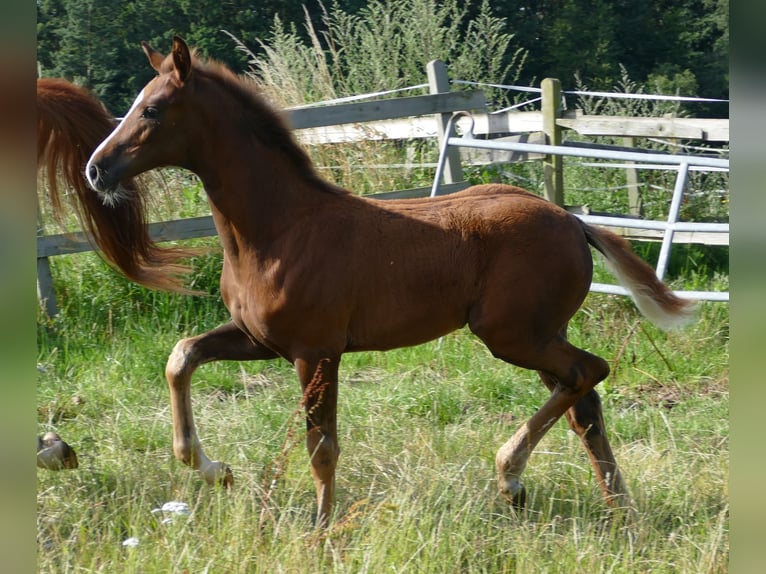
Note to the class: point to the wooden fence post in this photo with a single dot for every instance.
(635, 201)
(553, 166)
(438, 82)
(45, 293)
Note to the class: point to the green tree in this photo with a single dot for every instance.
(96, 43)
(647, 37)
(49, 16)
(86, 38)
(676, 43)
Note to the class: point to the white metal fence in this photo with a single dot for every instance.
(669, 226)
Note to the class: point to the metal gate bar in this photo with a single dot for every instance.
(683, 163)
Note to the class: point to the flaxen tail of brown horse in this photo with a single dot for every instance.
(71, 123)
(652, 297)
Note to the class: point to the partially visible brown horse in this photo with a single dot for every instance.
(312, 271)
(70, 124)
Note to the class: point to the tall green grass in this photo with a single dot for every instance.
(385, 46)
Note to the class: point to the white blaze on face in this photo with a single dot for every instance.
(103, 144)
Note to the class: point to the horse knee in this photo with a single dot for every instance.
(180, 361)
(585, 375)
(601, 371)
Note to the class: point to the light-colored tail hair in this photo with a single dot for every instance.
(653, 298)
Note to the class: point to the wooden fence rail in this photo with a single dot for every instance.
(425, 116)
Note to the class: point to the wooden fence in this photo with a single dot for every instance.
(429, 116)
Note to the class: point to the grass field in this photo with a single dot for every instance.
(419, 428)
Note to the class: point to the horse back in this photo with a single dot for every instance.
(375, 275)
(427, 265)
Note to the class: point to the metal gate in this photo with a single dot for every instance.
(669, 226)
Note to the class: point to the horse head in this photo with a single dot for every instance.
(151, 134)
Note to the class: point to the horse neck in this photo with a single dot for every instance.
(257, 178)
(257, 194)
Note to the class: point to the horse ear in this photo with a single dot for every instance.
(155, 58)
(181, 59)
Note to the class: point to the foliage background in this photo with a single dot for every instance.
(683, 44)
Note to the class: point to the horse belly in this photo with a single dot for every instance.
(400, 319)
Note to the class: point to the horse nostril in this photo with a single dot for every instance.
(93, 172)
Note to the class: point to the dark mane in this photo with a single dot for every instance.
(270, 126)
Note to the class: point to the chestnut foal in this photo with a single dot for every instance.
(312, 271)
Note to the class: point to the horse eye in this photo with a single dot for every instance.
(150, 113)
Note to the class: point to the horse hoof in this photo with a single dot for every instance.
(218, 474)
(54, 454)
(519, 499)
(227, 480)
(513, 491)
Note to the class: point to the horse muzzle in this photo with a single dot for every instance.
(107, 183)
(99, 178)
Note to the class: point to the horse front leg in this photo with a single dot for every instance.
(227, 342)
(319, 380)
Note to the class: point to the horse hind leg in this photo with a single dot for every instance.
(586, 419)
(571, 373)
(224, 343)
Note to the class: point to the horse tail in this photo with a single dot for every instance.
(653, 298)
(70, 124)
